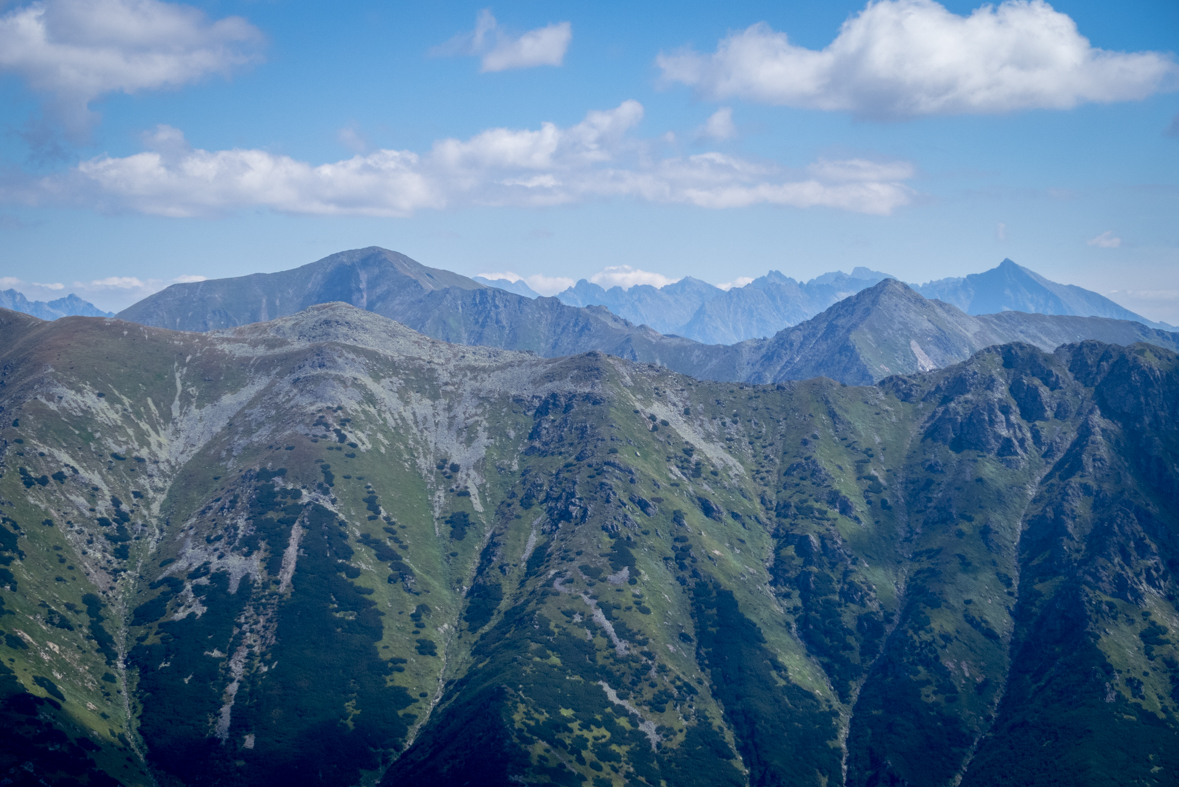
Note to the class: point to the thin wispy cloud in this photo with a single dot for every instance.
(73, 52)
(599, 158)
(718, 127)
(501, 50)
(1106, 240)
(908, 58)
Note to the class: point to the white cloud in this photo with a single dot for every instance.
(548, 285)
(625, 276)
(112, 282)
(50, 286)
(1106, 240)
(598, 158)
(504, 276)
(719, 126)
(500, 50)
(190, 279)
(1001, 231)
(76, 51)
(908, 58)
(738, 283)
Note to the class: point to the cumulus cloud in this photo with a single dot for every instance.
(738, 283)
(75, 51)
(500, 50)
(625, 276)
(1106, 240)
(909, 58)
(599, 158)
(719, 126)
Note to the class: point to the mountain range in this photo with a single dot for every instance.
(328, 549)
(882, 330)
(69, 306)
(707, 314)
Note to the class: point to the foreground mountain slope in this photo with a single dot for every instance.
(327, 549)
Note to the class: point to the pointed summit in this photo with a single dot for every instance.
(1012, 287)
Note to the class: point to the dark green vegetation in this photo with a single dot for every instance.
(330, 550)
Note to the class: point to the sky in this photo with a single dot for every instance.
(144, 143)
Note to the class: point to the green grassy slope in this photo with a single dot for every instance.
(330, 550)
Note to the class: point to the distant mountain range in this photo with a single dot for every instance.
(883, 329)
(69, 306)
(705, 313)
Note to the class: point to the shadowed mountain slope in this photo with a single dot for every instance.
(330, 550)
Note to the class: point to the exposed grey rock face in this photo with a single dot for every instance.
(69, 306)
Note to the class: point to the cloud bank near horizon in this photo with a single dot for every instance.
(599, 158)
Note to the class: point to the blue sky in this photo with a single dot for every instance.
(148, 142)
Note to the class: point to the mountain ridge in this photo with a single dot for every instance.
(69, 306)
(332, 550)
(860, 339)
